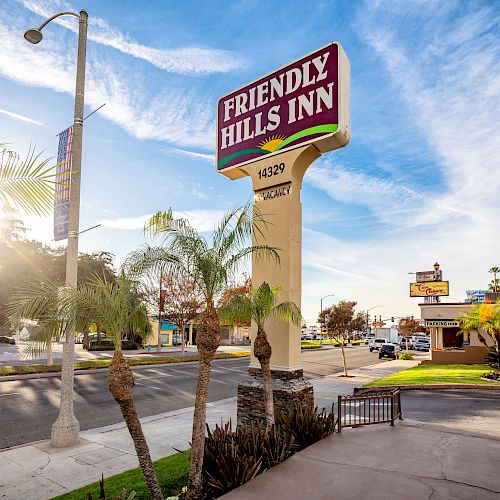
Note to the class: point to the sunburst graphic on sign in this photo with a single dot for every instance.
(272, 143)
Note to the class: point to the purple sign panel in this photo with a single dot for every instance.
(295, 105)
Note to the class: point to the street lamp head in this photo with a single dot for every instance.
(33, 36)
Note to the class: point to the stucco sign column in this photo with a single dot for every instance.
(272, 130)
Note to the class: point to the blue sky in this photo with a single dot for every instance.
(418, 182)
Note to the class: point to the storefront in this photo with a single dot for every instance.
(448, 344)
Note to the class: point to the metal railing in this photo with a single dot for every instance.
(378, 408)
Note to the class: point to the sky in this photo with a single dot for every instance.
(418, 182)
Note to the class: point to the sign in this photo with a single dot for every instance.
(424, 276)
(444, 323)
(62, 194)
(429, 289)
(305, 102)
(275, 192)
(476, 295)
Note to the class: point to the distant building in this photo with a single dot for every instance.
(448, 344)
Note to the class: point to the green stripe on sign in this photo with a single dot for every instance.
(319, 129)
(232, 156)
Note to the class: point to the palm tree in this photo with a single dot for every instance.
(259, 305)
(211, 264)
(26, 183)
(115, 309)
(494, 285)
(484, 319)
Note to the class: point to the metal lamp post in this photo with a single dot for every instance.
(320, 312)
(66, 429)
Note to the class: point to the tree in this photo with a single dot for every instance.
(341, 322)
(485, 320)
(232, 293)
(183, 301)
(408, 326)
(114, 307)
(495, 283)
(26, 183)
(211, 264)
(259, 305)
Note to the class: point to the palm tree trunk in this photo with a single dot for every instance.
(50, 359)
(262, 351)
(121, 383)
(207, 341)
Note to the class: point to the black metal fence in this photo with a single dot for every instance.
(355, 411)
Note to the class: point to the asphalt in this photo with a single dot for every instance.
(159, 388)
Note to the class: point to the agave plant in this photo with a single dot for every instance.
(211, 264)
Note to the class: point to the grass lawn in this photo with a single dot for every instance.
(172, 473)
(104, 363)
(436, 374)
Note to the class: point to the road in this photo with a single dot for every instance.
(29, 407)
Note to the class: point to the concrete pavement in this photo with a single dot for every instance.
(411, 460)
(27, 470)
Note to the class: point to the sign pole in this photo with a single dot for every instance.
(271, 130)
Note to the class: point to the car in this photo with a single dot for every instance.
(376, 344)
(388, 350)
(422, 345)
(7, 340)
(79, 338)
(406, 343)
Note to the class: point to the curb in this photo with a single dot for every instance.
(425, 387)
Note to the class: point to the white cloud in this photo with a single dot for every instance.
(450, 81)
(192, 154)
(182, 60)
(22, 118)
(176, 115)
(202, 220)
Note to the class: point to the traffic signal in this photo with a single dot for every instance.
(392, 319)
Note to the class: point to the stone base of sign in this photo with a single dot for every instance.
(289, 388)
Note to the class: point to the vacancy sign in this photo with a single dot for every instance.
(305, 102)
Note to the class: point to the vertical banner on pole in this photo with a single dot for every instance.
(62, 195)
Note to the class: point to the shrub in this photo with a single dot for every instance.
(234, 457)
(306, 427)
(108, 345)
(406, 355)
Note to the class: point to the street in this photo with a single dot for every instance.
(28, 407)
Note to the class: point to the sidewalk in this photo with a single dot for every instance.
(412, 460)
(28, 470)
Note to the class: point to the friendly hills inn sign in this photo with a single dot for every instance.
(305, 102)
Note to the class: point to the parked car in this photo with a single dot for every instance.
(7, 340)
(422, 345)
(79, 339)
(376, 344)
(406, 343)
(388, 350)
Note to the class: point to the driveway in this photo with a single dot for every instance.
(411, 461)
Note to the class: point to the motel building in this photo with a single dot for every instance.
(448, 344)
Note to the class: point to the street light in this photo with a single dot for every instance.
(66, 429)
(320, 312)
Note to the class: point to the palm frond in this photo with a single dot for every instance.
(27, 183)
